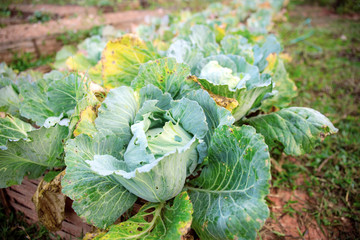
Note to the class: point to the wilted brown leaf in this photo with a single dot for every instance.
(50, 203)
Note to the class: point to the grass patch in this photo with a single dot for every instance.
(24, 61)
(14, 227)
(326, 70)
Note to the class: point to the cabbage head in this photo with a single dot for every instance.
(145, 145)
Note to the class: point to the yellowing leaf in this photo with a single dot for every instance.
(78, 62)
(286, 57)
(121, 60)
(219, 33)
(228, 103)
(156, 221)
(272, 60)
(257, 38)
(225, 102)
(284, 85)
(161, 45)
(95, 73)
(86, 123)
(98, 233)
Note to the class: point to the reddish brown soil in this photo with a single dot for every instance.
(55, 9)
(296, 223)
(40, 38)
(320, 16)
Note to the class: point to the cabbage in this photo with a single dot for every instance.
(146, 144)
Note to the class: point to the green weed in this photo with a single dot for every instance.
(74, 37)
(39, 16)
(14, 227)
(24, 61)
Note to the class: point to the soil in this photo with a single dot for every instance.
(40, 38)
(66, 10)
(320, 16)
(291, 218)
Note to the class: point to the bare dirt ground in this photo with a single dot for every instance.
(40, 38)
(290, 219)
(320, 16)
(65, 10)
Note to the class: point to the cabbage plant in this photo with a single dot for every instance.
(169, 143)
(35, 122)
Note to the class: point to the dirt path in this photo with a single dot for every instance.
(55, 9)
(40, 38)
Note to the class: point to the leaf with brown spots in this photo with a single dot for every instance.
(166, 74)
(156, 221)
(228, 196)
(295, 130)
(50, 203)
(122, 58)
(222, 101)
(86, 123)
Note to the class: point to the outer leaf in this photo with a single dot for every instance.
(7, 72)
(237, 45)
(117, 112)
(215, 116)
(50, 203)
(228, 196)
(100, 200)
(122, 58)
(13, 129)
(65, 93)
(294, 129)
(251, 99)
(183, 52)
(204, 39)
(285, 88)
(9, 100)
(86, 110)
(260, 21)
(86, 122)
(78, 62)
(270, 46)
(50, 97)
(150, 92)
(164, 73)
(95, 74)
(31, 158)
(168, 222)
(61, 56)
(35, 105)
